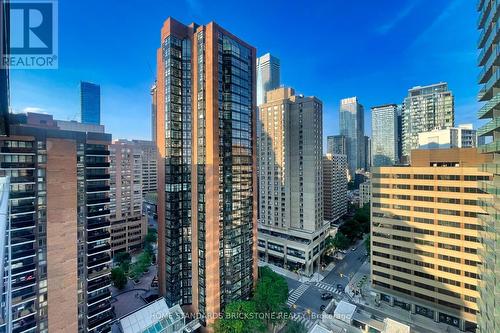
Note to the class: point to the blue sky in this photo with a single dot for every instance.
(375, 50)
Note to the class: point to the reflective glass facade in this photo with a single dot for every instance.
(90, 103)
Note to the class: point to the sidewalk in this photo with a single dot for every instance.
(316, 277)
(366, 301)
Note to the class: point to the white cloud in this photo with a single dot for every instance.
(33, 109)
(388, 26)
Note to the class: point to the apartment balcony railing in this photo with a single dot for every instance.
(22, 269)
(93, 177)
(91, 214)
(98, 284)
(17, 150)
(22, 179)
(22, 209)
(99, 297)
(98, 201)
(22, 239)
(98, 271)
(23, 254)
(489, 127)
(22, 296)
(17, 165)
(24, 324)
(98, 225)
(19, 284)
(98, 308)
(97, 164)
(93, 262)
(96, 249)
(19, 224)
(488, 68)
(94, 237)
(487, 35)
(94, 189)
(23, 194)
(99, 321)
(486, 110)
(96, 152)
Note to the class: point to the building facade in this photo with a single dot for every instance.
(425, 235)
(425, 109)
(364, 193)
(90, 103)
(489, 133)
(4, 71)
(463, 136)
(385, 135)
(291, 225)
(57, 272)
(352, 127)
(334, 186)
(207, 203)
(149, 167)
(336, 144)
(128, 226)
(268, 76)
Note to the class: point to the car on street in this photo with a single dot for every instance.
(340, 287)
(322, 307)
(326, 296)
(353, 249)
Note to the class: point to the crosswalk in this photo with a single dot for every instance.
(308, 323)
(328, 287)
(295, 295)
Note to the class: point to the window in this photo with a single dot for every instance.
(449, 270)
(448, 235)
(423, 176)
(423, 188)
(449, 212)
(448, 177)
(449, 200)
(448, 189)
(449, 258)
(449, 224)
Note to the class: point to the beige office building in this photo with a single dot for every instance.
(149, 167)
(291, 226)
(364, 193)
(128, 226)
(334, 186)
(425, 234)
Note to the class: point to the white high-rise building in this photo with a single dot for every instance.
(384, 145)
(291, 225)
(149, 167)
(463, 136)
(425, 109)
(268, 76)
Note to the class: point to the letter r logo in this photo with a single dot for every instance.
(31, 28)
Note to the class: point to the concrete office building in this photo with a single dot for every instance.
(268, 76)
(489, 134)
(425, 109)
(336, 144)
(207, 200)
(291, 225)
(149, 167)
(463, 136)
(364, 193)
(90, 103)
(425, 235)
(352, 127)
(57, 271)
(128, 226)
(334, 186)
(385, 135)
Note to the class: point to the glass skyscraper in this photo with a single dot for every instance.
(352, 126)
(207, 203)
(384, 145)
(335, 144)
(489, 79)
(90, 103)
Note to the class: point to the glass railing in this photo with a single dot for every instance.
(485, 110)
(489, 127)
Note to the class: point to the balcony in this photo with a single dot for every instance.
(487, 110)
(23, 254)
(17, 150)
(99, 321)
(21, 296)
(22, 239)
(99, 297)
(96, 236)
(97, 165)
(17, 165)
(97, 152)
(91, 214)
(22, 209)
(24, 223)
(98, 201)
(23, 282)
(489, 67)
(24, 324)
(93, 177)
(25, 268)
(488, 90)
(95, 189)
(98, 308)
(23, 194)
(98, 225)
(98, 284)
(93, 250)
(105, 259)
(22, 179)
(489, 127)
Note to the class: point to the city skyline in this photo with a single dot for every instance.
(127, 98)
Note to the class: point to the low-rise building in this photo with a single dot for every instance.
(463, 136)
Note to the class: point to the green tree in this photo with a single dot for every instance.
(340, 241)
(118, 277)
(270, 297)
(367, 244)
(239, 317)
(151, 236)
(294, 327)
